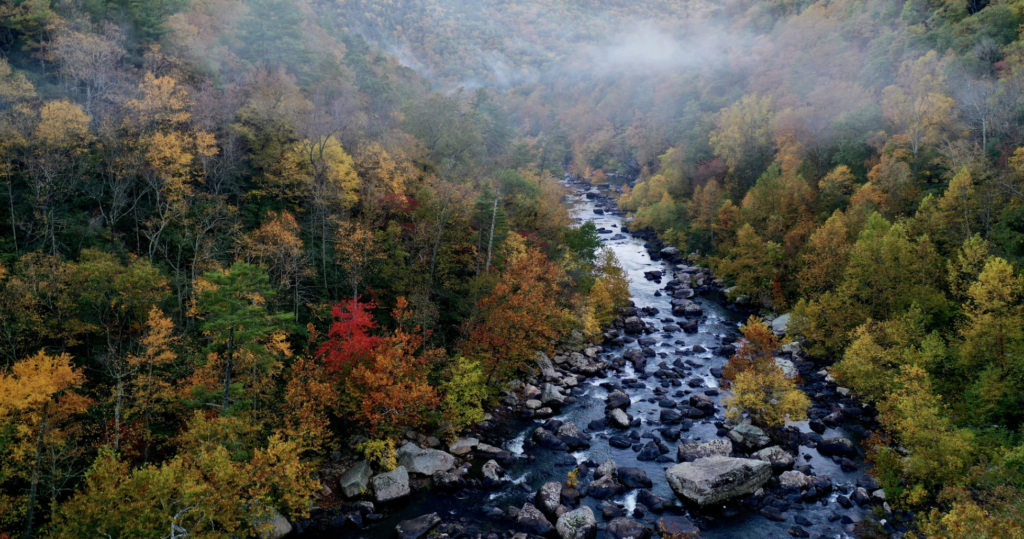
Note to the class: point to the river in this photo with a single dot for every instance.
(540, 465)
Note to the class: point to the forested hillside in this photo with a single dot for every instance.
(235, 236)
(238, 234)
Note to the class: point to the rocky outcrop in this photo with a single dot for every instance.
(710, 480)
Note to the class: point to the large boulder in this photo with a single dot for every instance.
(577, 524)
(619, 419)
(463, 446)
(625, 528)
(617, 399)
(837, 446)
(424, 461)
(418, 527)
(277, 527)
(692, 451)
(607, 467)
(711, 480)
(548, 498)
(794, 480)
(749, 437)
(492, 473)
(391, 485)
(532, 521)
(356, 480)
(780, 324)
(547, 369)
(633, 325)
(551, 396)
(634, 478)
(779, 458)
(605, 487)
(572, 436)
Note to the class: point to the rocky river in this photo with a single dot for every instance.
(641, 420)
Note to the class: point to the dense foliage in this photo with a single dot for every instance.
(234, 237)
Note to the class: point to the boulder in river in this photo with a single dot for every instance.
(548, 498)
(605, 487)
(633, 325)
(631, 477)
(711, 480)
(748, 437)
(577, 524)
(779, 458)
(692, 451)
(492, 473)
(532, 521)
(607, 467)
(837, 446)
(424, 461)
(391, 485)
(552, 396)
(795, 480)
(617, 399)
(418, 527)
(625, 528)
(463, 446)
(619, 419)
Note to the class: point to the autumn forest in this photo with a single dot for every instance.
(241, 240)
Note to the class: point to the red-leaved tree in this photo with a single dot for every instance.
(349, 340)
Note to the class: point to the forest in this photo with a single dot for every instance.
(239, 234)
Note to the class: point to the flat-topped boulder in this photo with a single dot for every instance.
(424, 461)
(714, 479)
(356, 480)
(749, 437)
(391, 485)
(692, 451)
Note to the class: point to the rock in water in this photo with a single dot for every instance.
(624, 528)
(692, 451)
(391, 485)
(549, 497)
(710, 480)
(837, 446)
(618, 419)
(418, 527)
(532, 521)
(356, 480)
(577, 524)
(634, 478)
(749, 437)
(424, 461)
(777, 457)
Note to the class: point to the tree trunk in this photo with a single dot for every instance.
(490, 241)
(117, 412)
(227, 374)
(34, 488)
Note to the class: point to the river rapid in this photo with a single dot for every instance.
(480, 512)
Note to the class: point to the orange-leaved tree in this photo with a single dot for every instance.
(756, 350)
(521, 315)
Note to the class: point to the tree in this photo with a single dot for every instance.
(742, 138)
(520, 316)
(754, 265)
(825, 257)
(768, 397)
(755, 351)
(276, 245)
(37, 397)
(216, 488)
(232, 307)
(349, 341)
(917, 104)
